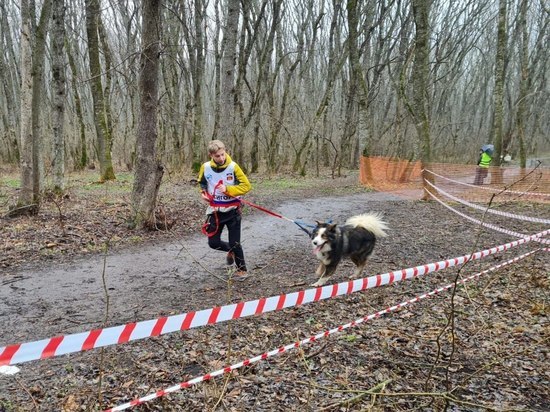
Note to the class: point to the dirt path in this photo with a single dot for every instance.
(496, 358)
(147, 280)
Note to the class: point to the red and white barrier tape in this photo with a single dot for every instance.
(97, 338)
(493, 211)
(491, 189)
(484, 224)
(303, 342)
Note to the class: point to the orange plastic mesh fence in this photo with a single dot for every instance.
(405, 177)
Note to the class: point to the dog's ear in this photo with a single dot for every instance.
(331, 227)
(318, 223)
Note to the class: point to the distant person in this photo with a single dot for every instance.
(483, 163)
(221, 181)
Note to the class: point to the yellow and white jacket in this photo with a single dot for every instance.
(211, 175)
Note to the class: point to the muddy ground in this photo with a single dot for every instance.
(57, 275)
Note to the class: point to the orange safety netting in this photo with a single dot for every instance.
(405, 177)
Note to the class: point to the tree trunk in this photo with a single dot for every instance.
(149, 171)
(421, 70)
(38, 53)
(229, 49)
(81, 160)
(58, 76)
(32, 58)
(356, 95)
(268, 75)
(108, 74)
(10, 117)
(100, 119)
(217, 72)
(25, 142)
(498, 94)
(523, 82)
(198, 76)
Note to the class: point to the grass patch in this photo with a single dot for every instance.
(85, 186)
(323, 185)
(87, 182)
(11, 182)
(282, 183)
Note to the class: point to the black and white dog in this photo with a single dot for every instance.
(355, 239)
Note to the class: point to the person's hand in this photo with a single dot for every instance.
(222, 188)
(204, 196)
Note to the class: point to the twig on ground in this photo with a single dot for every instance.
(105, 319)
(317, 352)
(360, 394)
(447, 396)
(228, 360)
(304, 361)
(36, 407)
(450, 324)
(198, 262)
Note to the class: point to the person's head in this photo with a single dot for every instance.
(216, 151)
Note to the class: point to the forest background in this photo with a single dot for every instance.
(288, 85)
(132, 91)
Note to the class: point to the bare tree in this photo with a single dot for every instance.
(229, 50)
(81, 158)
(195, 40)
(356, 97)
(149, 170)
(336, 60)
(101, 121)
(499, 76)
(174, 125)
(25, 141)
(354, 137)
(38, 63)
(420, 107)
(32, 62)
(9, 80)
(521, 103)
(58, 75)
(292, 83)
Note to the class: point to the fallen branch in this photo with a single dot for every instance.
(361, 394)
(26, 210)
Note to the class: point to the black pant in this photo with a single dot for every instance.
(232, 219)
(481, 174)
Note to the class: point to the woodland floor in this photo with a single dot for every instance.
(494, 355)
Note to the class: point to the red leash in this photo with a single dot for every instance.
(246, 202)
(263, 209)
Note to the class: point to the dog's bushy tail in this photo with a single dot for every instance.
(371, 221)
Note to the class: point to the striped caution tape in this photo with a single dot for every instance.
(484, 224)
(306, 341)
(493, 211)
(491, 189)
(97, 338)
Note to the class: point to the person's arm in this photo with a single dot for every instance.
(203, 185)
(242, 185)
